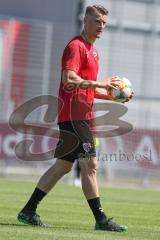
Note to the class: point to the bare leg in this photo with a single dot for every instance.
(53, 174)
(89, 177)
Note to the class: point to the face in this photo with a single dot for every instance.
(95, 24)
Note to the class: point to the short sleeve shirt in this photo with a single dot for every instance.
(76, 103)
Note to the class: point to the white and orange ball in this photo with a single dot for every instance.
(123, 91)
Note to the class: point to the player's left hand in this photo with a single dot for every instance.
(112, 82)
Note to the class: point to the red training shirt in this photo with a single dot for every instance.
(82, 58)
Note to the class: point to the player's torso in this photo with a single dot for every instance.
(78, 102)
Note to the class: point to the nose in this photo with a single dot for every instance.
(102, 26)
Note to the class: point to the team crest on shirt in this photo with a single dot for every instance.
(94, 54)
(86, 147)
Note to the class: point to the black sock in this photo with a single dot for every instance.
(96, 208)
(36, 197)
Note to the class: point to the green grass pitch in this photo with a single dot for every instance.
(66, 210)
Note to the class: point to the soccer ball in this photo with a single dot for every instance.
(123, 92)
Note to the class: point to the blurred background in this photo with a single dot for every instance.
(33, 35)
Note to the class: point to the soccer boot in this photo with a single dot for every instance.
(30, 218)
(108, 225)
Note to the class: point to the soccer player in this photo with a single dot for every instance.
(78, 88)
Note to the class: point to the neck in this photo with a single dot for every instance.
(87, 38)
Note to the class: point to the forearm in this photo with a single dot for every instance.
(101, 94)
(72, 80)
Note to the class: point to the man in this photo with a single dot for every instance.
(77, 91)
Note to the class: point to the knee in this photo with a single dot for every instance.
(64, 168)
(93, 167)
(89, 166)
(67, 169)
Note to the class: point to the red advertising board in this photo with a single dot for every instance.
(14, 62)
(9, 139)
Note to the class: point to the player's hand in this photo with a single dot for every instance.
(111, 82)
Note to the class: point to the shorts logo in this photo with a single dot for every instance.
(86, 147)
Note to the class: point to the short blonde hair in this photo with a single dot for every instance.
(96, 8)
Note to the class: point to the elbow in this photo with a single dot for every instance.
(67, 81)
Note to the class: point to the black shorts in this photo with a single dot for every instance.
(75, 141)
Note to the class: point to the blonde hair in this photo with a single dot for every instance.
(96, 8)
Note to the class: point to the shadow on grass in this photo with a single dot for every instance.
(49, 226)
(23, 225)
